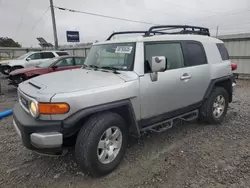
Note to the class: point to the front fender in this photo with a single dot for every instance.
(124, 108)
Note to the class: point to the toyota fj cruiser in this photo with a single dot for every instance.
(127, 86)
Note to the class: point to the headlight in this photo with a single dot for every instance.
(34, 109)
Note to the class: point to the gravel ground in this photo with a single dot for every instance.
(189, 155)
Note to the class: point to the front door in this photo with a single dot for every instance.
(171, 91)
(33, 60)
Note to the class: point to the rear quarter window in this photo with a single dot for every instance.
(223, 51)
(196, 54)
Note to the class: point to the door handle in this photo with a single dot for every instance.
(186, 76)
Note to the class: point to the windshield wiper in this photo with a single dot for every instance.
(91, 66)
(111, 68)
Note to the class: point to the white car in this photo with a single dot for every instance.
(28, 60)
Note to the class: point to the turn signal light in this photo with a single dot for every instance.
(53, 108)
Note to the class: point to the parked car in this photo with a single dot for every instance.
(28, 60)
(53, 65)
(127, 86)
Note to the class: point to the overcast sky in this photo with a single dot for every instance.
(19, 18)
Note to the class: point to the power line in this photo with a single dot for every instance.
(21, 21)
(105, 16)
(191, 8)
(221, 14)
(40, 18)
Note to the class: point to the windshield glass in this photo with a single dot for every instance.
(24, 56)
(119, 56)
(47, 63)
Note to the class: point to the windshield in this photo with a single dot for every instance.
(24, 56)
(47, 63)
(119, 56)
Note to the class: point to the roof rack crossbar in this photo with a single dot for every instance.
(133, 32)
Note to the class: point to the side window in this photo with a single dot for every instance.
(47, 55)
(80, 61)
(35, 56)
(62, 53)
(223, 51)
(65, 62)
(172, 52)
(196, 54)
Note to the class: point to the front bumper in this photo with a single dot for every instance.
(45, 137)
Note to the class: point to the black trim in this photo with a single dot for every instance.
(71, 124)
(156, 119)
(214, 81)
(28, 125)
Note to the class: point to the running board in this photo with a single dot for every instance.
(167, 124)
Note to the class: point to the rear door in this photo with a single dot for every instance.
(47, 55)
(197, 69)
(79, 61)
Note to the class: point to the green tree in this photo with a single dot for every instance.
(8, 42)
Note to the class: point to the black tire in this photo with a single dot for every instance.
(206, 112)
(88, 139)
(5, 70)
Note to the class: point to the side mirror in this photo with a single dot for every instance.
(158, 64)
(28, 59)
(54, 67)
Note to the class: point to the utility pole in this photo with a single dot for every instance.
(217, 31)
(54, 23)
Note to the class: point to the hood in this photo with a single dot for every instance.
(23, 70)
(73, 80)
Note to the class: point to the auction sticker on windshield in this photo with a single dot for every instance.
(124, 49)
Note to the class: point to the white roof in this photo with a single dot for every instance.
(200, 38)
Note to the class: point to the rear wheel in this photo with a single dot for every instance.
(215, 108)
(101, 143)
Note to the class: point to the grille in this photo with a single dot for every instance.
(24, 101)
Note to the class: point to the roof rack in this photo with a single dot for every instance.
(186, 29)
(166, 30)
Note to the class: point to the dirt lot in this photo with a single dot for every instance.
(189, 155)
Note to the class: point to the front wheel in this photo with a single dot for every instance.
(5, 70)
(101, 143)
(215, 107)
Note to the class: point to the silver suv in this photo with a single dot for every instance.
(127, 86)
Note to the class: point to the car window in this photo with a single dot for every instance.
(47, 55)
(196, 54)
(80, 60)
(35, 56)
(65, 62)
(118, 55)
(62, 53)
(172, 52)
(223, 51)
